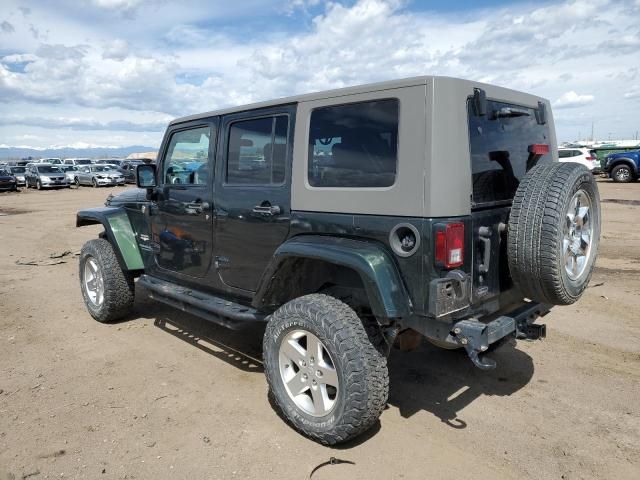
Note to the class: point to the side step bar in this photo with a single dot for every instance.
(209, 307)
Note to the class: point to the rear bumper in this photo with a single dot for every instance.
(476, 336)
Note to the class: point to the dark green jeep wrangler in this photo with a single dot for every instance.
(347, 218)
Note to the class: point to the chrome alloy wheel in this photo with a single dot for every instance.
(308, 373)
(578, 234)
(93, 282)
(623, 174)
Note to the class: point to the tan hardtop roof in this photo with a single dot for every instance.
(406, 82)
(339, 92)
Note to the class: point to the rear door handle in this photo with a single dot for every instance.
(268, 210)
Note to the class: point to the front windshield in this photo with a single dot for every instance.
(69, 168)
(49, 169)
(100, 168)
(84, 161)
(4, 172)
(18, 169)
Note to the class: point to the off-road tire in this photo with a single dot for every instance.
(361, 368)
(536, 232)
(617, 174)
(119, 286)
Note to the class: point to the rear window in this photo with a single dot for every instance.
(354, 145)
(499, 145)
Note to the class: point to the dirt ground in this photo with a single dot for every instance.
(166, 395)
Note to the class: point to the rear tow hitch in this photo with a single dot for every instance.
(532, 331)
(473, 336)
(476, 336)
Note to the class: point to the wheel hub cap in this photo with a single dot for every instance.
(577, 235)
(623, 174)
(93, 282)
(308, 373)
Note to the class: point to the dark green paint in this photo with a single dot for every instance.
(383, 285)
(119, 232)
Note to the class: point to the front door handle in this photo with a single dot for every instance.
(267, 210)
(196, 208)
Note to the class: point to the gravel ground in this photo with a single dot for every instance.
(165, 395)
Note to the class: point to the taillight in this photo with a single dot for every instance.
(591, 158)
(539, 149)
(450, 245)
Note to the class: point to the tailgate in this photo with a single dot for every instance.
(505, 141)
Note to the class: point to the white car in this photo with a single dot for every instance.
(580, 155)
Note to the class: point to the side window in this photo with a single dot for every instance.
(354, 145)
(564, 153)
(187, 158)
(257, 151)
(576, 153)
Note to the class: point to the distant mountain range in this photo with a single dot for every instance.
(90, 152)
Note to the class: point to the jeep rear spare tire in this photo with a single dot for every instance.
(554, 231)
(324, 373)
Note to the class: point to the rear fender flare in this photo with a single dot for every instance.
(119, 232)
(387, 295)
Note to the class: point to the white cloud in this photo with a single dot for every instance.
(6, 27)
(572, 100)
(116, 50)
(633, 93)
(195, 55)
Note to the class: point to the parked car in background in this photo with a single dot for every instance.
(7, 180)
(128, 169)
(51, 160)
(580, 155)
(19, 172)
(109, 161)
(98, 175)
(45, 175)
(70, 172)
(623, 167)
(78, 161)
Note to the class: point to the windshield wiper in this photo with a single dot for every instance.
(509, 112)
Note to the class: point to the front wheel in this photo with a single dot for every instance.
(38, 185)
(94, 183)
(323, 370)
(107, 290)
(622, 174)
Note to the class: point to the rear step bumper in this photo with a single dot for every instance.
(215, 309)
(476, 336)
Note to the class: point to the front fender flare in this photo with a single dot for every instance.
(118, 231)
(383, 284)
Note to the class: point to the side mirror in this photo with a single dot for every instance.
(146, 176)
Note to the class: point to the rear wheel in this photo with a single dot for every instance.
(107, 290)
(622, 174)
(325, 374)
(554, 231)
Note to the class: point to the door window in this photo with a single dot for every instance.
(187, 158)
(257, 151)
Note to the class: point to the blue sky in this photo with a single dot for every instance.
(114, 72)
